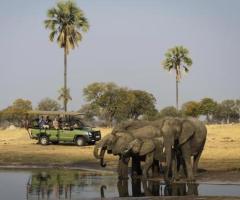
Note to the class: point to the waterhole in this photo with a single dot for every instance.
(75, 184)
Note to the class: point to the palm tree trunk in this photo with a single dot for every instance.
(177, 93)
(65, 80)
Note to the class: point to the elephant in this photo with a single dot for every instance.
(183, 138)
(117, 142)
(151, 149)
(105, 143)
(114, 144)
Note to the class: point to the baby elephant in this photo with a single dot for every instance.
(151, 149)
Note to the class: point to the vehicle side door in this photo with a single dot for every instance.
(67, 135)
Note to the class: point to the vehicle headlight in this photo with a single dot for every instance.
(90, 134)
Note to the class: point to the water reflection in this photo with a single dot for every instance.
(155, 188)
(65, 185)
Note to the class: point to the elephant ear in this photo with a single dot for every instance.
(147, 147)
(135, 145)
(187, 131)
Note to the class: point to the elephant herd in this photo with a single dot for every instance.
(175, 143)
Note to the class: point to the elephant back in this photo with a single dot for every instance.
(146, 132)
(129, 126)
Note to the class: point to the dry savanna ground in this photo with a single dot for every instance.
(222, 150)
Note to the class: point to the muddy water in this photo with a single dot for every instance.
(75, 184)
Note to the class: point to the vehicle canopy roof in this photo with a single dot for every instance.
(62, 113)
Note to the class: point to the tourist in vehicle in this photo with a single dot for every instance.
(55, 124)
(48, 121)
(60, 122)
(41, 122)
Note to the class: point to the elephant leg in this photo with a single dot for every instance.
(123, 168)
(148, 163)
(192, 189)
(156, 188)
(186, 153)
(161, 168)
(195, 162)
(155, 168)
(136, 187)
(180, 165)
(197, 157)
(122, 186)
(175, 167)
(168, 171)
(147, 191)
(136, 166)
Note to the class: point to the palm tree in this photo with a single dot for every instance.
(177, 59)
(65, 22)
(64, 94)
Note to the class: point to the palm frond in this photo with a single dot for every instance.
(177, 58)
(61, 40)
(52, 35)
(66, 20)
(186, 69)
(52, 13)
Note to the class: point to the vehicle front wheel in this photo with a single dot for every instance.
(80, 141)
(44, 140)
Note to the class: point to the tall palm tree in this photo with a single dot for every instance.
(64, 95)
(177, 59)
(65, 22)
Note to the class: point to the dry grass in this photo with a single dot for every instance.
(222, 150)
(17, 148)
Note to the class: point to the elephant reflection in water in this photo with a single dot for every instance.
(153, 188)
(181, 189)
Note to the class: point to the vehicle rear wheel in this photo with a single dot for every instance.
(44, 140)
(80, 141)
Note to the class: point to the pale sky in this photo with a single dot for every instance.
(125, 44)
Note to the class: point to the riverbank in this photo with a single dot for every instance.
(221, 152)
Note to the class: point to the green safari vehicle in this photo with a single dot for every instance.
(70, 129)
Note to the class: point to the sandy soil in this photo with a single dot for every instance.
(222, 150)
(220, 159)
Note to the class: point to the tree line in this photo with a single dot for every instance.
(108, 103)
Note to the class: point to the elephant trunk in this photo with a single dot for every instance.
(102, 153)
(126, 153)
(95, 151)
(101, 144)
